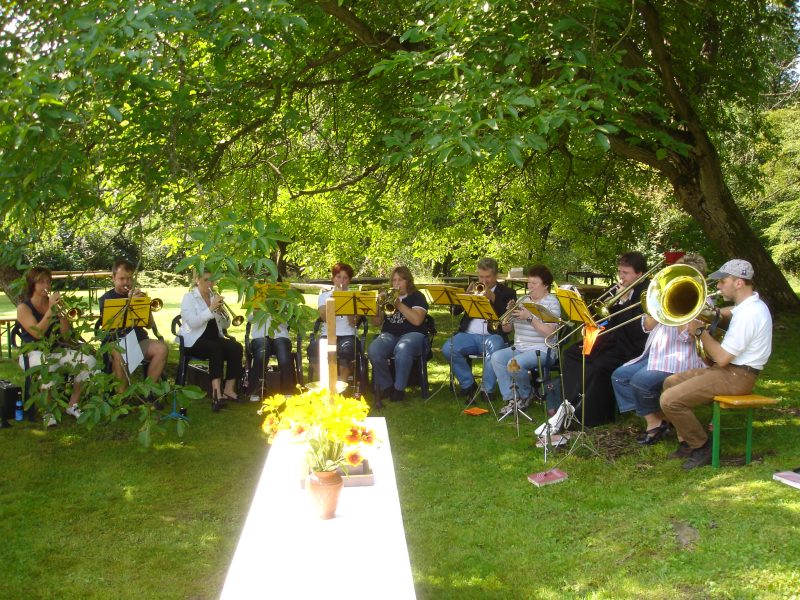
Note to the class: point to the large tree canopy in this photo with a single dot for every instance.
(432, 127)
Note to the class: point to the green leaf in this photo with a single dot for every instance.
(114, 112)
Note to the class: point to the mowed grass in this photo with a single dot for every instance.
(91, 514)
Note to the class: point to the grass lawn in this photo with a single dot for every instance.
(91, 514)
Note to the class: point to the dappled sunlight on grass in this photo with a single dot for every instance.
(174, 445)
(128, 492)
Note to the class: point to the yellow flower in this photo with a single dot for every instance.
(353, 458)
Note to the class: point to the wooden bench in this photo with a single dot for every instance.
(748, 403)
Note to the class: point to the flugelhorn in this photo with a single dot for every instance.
(70, 313)
(508, 316)
(387, 305)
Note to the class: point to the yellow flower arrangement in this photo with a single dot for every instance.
(333, 426)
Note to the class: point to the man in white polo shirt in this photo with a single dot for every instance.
(738, 360)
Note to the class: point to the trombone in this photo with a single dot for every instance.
(602, 308)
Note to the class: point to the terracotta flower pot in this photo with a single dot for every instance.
(324, 487)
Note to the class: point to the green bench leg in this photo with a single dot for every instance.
(715, 434)
(749, 447)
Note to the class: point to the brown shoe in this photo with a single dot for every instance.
(683, 451)
(699, 457)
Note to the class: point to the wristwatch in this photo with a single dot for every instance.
(530, 319)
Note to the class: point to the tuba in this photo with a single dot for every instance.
(676, 296)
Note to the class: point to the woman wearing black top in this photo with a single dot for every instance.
(402, 336)
(40, 320)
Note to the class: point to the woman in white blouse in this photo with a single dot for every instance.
(203, 321)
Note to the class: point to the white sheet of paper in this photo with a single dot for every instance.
(131, 351)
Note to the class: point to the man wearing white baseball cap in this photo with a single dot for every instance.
(738, 360)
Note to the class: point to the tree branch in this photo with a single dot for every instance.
(376, 40)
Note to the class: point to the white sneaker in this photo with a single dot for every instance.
(507, 408)
(49, 420)
(562, 418)
(255, 398)
(74, 411)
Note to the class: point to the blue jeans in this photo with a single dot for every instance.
(527, 361)
(263, 348)
(404, 349)
(461, 345)
(638, 389)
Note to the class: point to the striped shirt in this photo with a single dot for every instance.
(670, 350)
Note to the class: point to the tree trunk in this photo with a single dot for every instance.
(7, 276)
(708, 200)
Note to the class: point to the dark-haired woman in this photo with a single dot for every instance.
(39, 316)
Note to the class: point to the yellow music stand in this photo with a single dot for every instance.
(443, 294)
(122, 313)
(265, 291)
(355, 303)
(477, 306)
(573, 308)
(541, 312)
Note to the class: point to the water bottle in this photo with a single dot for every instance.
(19, 413)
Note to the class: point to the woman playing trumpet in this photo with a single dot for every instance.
(203, 320)
(41, 319)
(347, 343)
(403, 336)
(530, 333)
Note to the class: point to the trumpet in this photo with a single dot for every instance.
(70, 313)
(226, 310)
(479, 288)
(156, 304)
(387, 305)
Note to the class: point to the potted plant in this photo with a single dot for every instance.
(333, 428)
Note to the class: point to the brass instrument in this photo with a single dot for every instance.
(677, 296)
(235, 319)
(156, 304)
(508, 316)
(387, 305)
(71, 313)
(479, 288)
(601, 308)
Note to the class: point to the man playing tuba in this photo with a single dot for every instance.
(738, 360)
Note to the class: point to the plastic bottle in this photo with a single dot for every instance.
(19, 413)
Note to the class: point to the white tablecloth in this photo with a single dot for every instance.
(286, 551)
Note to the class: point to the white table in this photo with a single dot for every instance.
(286, 551)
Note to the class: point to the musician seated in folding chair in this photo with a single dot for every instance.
(347, 342)
(403, 335)
(530, 333)
(590, 375)
(669, 349)
(264, 343)
(41, 317)
(475, 337)
(155, 352)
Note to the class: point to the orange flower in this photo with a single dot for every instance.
(354, 436)
(368, 436)
(299, 429)
(354, 458)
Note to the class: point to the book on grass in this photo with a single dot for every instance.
(791, 478)
(547, 477)
(475, 411)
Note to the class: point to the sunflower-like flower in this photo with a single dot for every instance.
(355, 435)
(353, 457)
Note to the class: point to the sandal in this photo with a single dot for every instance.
(654, 435)
(216, 402)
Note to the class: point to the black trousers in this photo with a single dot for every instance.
(219, 351)
(599, 402)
